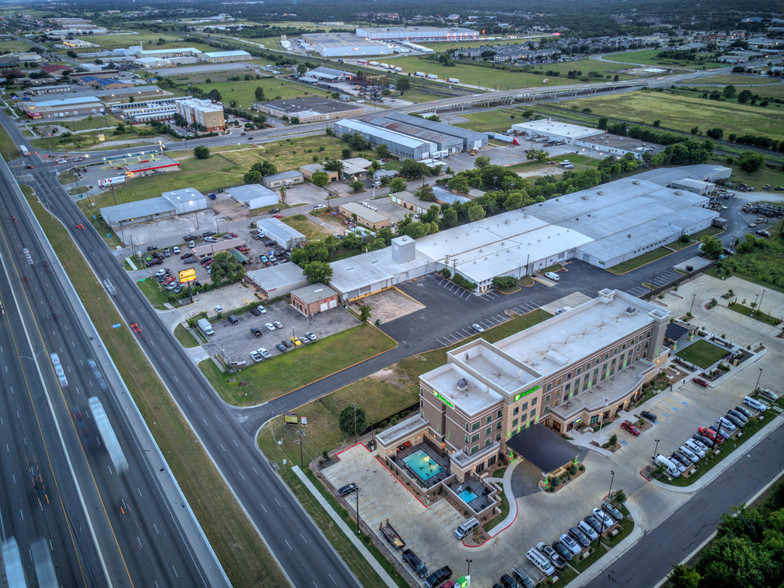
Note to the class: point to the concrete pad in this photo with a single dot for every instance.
(696, 263)
(304, 194)
(389, 305)
(572, 300)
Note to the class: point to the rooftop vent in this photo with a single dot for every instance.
(678, 192)
(630, 310)
(600, 193)
(636, 182)
(462, 385)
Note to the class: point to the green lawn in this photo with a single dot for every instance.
(627, 266)
(648, 57)
(15, 45)
(734, 79)
(681, 113)
(274, 89)
(414, 96)
(755, 314)
(147, 40)
(88, 140)
(7, 146)
(298, 367)
(764, 175)
(91, 122)
(492, 120)
(312, 230)
(151, 288)
(235, 541)
(185, 337)
(702, 353)
(761, 265)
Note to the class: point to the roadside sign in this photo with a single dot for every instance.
(116, 326)
(103, 183)
(187, 275)
(290, 418)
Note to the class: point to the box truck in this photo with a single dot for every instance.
(206, 327)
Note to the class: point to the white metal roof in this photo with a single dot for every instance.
(384, 134)
(545, 126)
(183, 195)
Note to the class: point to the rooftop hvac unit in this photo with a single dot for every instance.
(636, 182)
(462, 384)
(600, 193)
(584, 197)
(630, 310)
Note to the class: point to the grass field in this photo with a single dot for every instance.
(764, 175)
(235, 541)
(702, 353)
(274, 89)
(312, 230)
(152, 289)
(734, 79)
(648, 57)
(15, 45)
(492, 120)
(147, 40)
(639, 261)
(413, 96)
(185, 337)
(91, 122)
(682, 113)
(759, 265)
(441, 47)
(7, 146)
(87, 140)
(289, 371)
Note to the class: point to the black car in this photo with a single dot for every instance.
(704, 440)
(347, 489)
(508, 582)
(438, 577)
(186, 255)
(189, 237)
(416, 564)
(594, 523)
(280, 347)
(256, 332)
(255, 311)
(562, 550)
(209, 233)
(287, 343)
(274, 210)
(648, 415)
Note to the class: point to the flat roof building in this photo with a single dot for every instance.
(329, 74)
(417, 34)
(399, 144)
(344, 45)
(313, 299)
(168, 53)
(62, 107)
(469, 139)
(253, 196)
(284, 235)
(609, 144)
(209, 249)
(365, 214)
(283, 179)
(310, 109)
(278, 280)
(580, 367)
(159, 164)
(225, 56)
(204, 113)
(553, 130)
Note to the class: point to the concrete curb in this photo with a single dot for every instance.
(343, 527)
(512, 516)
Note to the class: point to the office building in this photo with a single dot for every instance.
(204, 113)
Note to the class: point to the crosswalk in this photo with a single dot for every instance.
(659, 280)
(487, 322)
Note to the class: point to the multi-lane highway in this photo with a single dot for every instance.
(302, 551)
(101, 527)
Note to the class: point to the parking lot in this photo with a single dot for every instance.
(235, 342)
(544, 516)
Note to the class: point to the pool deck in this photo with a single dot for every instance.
(442, 461)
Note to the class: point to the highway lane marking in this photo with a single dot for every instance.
(331, 578)
(156, 528)
(279, 504)
(262, 506)
(218, 418)
(303, 537)
(139, 490)
(255, 470)
(139, 541)
(221, 446)
(235, 442)
(175, 572)
(287, 544)
(240, 473)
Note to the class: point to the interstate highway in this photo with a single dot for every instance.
(131, 527)
(299, 547)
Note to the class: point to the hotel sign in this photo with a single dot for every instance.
(444, 400)
(526, 393)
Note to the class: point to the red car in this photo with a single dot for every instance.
(711, 434)
(700, 382)
(631, 429)
(278, 216)
(136, 328)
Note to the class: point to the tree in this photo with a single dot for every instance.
(403, 85)
(225, 268)
(364, 313)
(333, 165)
(513, 201)
(711, 247)
(201, 152)
(745, 96)
(715, 133)
(750, 161)
(259, 93)
(411, 169)
(252, 177)
(397, 185)
(317, 271)
(458, 184)
(448, 218)
(320, 179)
(684, 577)
(504, 282)
(358, 186)
(382, 150)
(302, 69)
(264, 167)
(475, 212)
(729, 91)
(352, 420)
(602, 124)
(425, 193)
(214, 95)
(481, 162)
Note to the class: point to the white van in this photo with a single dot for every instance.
(466, 528)
(553, 276)
(672, 470)
(540, 561)
(205, 326)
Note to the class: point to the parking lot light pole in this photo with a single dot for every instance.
(468, 572)
(656, 449)
(693, 298)
(357, 510)
(756, 386)
(604, 508)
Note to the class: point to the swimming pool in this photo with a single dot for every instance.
(423, 465)
(467, 496)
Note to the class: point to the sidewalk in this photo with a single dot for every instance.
(343, 527)
(506, 481)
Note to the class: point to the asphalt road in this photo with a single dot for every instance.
(303, 553)
(130, 521)
(694, 522)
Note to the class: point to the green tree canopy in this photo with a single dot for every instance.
(317, 271)
(458, 184)
(711, 247)
(259, 94)
(352, 420)
(201, 152)
(364, 313)
(425, 193)
(411, 169)
(225, 268)
(320, 179)
(264, 167)
(334, 165)
(481, 162)
(397, 185)
(751, 161)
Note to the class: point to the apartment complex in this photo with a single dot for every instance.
(580, 367)
(202, 112)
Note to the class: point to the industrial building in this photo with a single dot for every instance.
(445, 144)
(417, 34)
(553, 130)
(312, 299)
(105, 83)
(581, 367)
(169, 53)
(410, 202)
(364, 215)
(471, 139)
(62, 107)
(253, 196)
(343, 45)
(167, 204)
(310, 109)
(225, 56)
(308, 170)
(278, 280)
(284, 235)
(210, 249)
(159, 164)
(399, 145)
(330, 75)
(283, 179)
(204, 113)
(607, 144)
(604, 226)
(147, 110)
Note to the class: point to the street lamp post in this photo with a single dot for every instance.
(604, 508)
(693, 298)
(357, 510)
(656, 449)
(759, 377)
(468, 572)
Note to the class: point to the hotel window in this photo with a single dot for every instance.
(548, 387)
(533, 413)
(569, 387)
(498, 436)
(489, 418)
(498, 426)
(475, 438)
(623, 347)
(488, 430)
(558, 382)
(569, 376)
(466, 439)
(547, 399)
(585, 384)
(638, 348)
(587, 366)
(649, 333)
(474, 449)
(524, 406)
(514, 423)
(578, 371)
(545, 410)
(516, 410)
(499, 414)
(468, 426)
(524, 418)
(606, 356)
(533, 401)
(565, 397)
(487, 442)
(632, 341)
(475, 426)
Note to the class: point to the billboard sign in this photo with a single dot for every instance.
(187, 275)
(106, 182)
(291, 418)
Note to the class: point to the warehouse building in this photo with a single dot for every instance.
(470, 139)
(105, 83)
(312, 168)
(168, 204)
(365, 214)
(141, 112)
(284, 235)
(202, 112)
(160, 164)
(168, 53)
(253, 196)
(445, 144)
(210, 249)
(283, 179)
(62, 107)
(225, 56)
(398, 144)
(552, 130)
(276, 281)
(417, 34)
(310, 109)
(606, 144)
(330, 75)
(312, 299)
(343, 45)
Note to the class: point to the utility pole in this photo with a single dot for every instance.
(358, 510)
(604, 508)
(656, 449)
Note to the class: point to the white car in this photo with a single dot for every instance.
(262, 310)
(217, 309)
(570, 544)
(176, 250)
(755, 404)
(603, 516)
(256, 356)
(695, 447)
(478, 328)
(319, 206)
(269, 326)
(264, 353)
(588, 530)
(553, 276)
(278, 324)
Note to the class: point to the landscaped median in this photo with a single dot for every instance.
(236, 543)
(296, 368)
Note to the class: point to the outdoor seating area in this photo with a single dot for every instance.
(473, 493)
(422, 464)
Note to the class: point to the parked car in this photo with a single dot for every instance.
(280, 347)
(256, 331)
(278, 324)
(570, 544)
(261, 309)
(721, 435)
(631, 429)
(438, 577)
(523, 580)
(552, 555)
(416, 564)
(738, 415)
(508, 582)
(743, 411)
(478, 328)
(692, 455)
(295, 340)
(311, 335)
(700, 382)
(704, 440)
(755, 404)
(694, 447)
(679, 462)
(610, 508)
(255, 356)
(576, 534)
(255, 311)
(233, 319)
(594, 523)
(176, 250)
(347, 489)
(603, 518)
(588, 530)
(648, 415)
(269, 326)
(562, 550)
(768, 395)
(734, 420)
(264, 353)
(727, 424)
